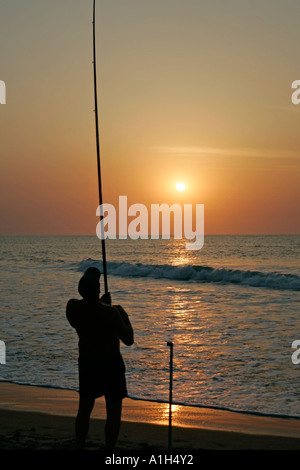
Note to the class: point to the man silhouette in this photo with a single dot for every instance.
(100, 327)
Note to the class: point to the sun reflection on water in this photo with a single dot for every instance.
(176, 412)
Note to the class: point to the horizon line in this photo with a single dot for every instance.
(149, 235)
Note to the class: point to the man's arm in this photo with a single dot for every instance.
(123, 326)
(71, 312)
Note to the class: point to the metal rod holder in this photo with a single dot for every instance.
(170, 344)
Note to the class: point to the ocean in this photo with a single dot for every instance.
(231, 310)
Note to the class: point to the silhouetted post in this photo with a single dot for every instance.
(170, 344)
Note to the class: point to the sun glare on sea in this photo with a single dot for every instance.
(180, 186)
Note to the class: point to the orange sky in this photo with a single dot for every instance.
(194, 91)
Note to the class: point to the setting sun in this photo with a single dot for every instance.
(180, 186)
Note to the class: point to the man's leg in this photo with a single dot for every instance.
(113, 421)
(82, 421)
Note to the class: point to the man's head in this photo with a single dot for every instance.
(89, 284)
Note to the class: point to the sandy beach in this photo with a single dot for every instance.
(38, 418)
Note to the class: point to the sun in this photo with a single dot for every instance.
(180, 186)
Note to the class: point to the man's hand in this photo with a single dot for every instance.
(106, 298)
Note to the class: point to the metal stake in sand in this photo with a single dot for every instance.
(98, 150)
(170, 344)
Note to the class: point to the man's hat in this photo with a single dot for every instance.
(89, 283)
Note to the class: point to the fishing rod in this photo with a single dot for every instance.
(98, 151)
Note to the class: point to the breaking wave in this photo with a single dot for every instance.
(203, 274)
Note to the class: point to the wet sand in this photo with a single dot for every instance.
(38, 418)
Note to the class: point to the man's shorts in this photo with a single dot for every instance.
(103, 376)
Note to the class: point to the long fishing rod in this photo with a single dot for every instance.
(98, 151)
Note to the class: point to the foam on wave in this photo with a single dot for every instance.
(191, 273)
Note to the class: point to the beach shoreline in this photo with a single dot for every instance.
(41, 418)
